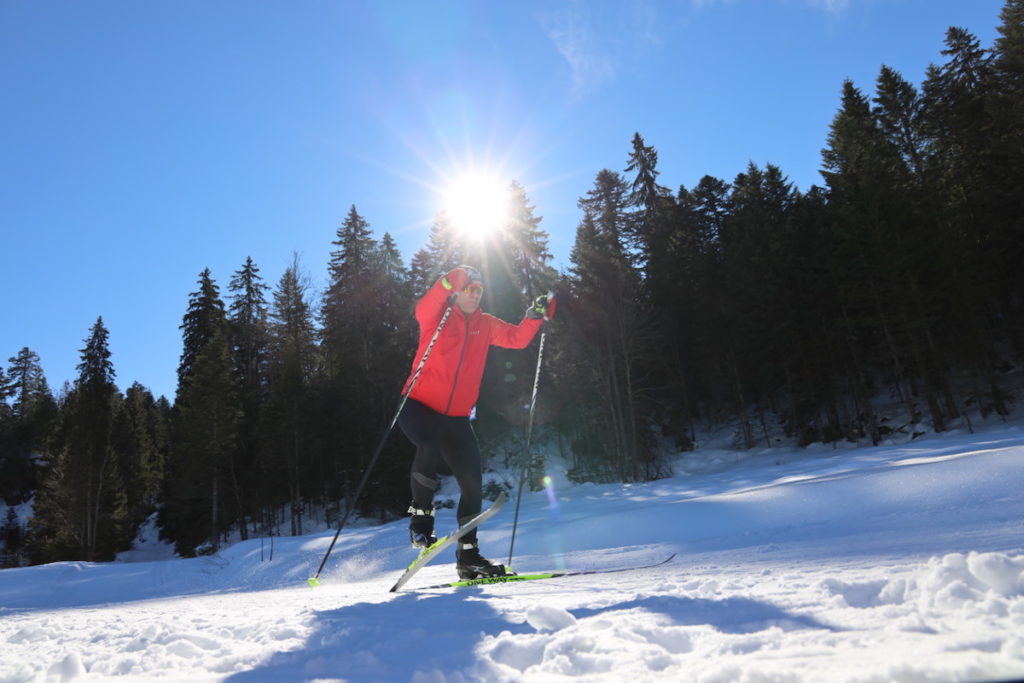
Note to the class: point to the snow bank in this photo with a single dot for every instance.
(979, 583)
(706, 631)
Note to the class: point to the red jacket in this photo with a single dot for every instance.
(450, 380)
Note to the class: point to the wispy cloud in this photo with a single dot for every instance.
(830, 6)
(596, 46)
(602, 41)
(575, 37)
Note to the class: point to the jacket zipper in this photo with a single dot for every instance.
(458, 369)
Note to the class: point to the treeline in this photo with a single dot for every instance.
(896, 282)
(899, 281)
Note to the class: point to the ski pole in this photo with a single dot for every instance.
(315, 580)
(526, 460)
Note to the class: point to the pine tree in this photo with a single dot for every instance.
(421, 272)
(940, 280)
(204, 320)
(393, 335)
(247, 320)
(202, 495)
(6, 391)
(828, 388)
(968, 182)
(900, 111)
(288, 456)
(55, 530)
(702, 215)
(607, 204)
(527, 247)
(13, 537)
(27, 384)
(349, 299)
(203, 489)
(1006, 106)
(394, 290)
(445, 248)
(674, 290)
(141, 432)
(25, 425)
(351, 330)
(746, 325)
(394, 325)
(80, 511)
(646, 229)
(97, 395)
(610, 337)
(247, 317)
(960, 127)
(877, 214)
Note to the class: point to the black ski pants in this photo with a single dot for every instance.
(451, 438)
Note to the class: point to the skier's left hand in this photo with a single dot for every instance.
(543, 307)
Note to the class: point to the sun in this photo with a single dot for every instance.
(476, 204)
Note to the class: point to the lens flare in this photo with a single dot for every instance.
(549, 487)
(553, 536)
(477, 204)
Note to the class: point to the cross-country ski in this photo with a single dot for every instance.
(538, 576)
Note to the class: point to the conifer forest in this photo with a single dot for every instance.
(896, 282)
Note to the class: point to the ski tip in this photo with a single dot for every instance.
(313, 582)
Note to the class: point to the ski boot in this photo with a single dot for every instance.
(421, 527)
(472, 565)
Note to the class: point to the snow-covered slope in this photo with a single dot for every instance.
(893, 563)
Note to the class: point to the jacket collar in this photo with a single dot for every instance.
(471, 317)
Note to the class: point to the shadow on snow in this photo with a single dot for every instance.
(441, 634)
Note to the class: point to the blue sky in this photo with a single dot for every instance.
(141, 142)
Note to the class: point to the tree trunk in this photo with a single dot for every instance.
(214, 535)
(741, 402)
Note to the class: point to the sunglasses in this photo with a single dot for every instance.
(475, 288)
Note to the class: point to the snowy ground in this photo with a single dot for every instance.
(892, 563)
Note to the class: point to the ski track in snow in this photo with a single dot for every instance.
(893, 563)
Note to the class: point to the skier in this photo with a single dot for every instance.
(436, 417)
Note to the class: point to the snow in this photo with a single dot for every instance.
(902, 562)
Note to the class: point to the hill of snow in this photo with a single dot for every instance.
(902, 562)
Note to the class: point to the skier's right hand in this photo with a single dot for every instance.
(461, 276)
(472, 274)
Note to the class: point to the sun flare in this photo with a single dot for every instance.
(476, 205)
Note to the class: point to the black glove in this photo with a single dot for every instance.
(542, 308)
